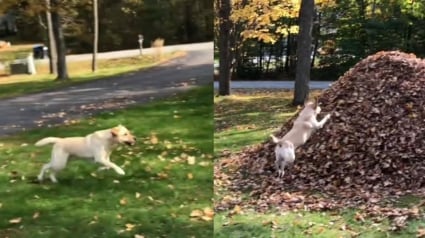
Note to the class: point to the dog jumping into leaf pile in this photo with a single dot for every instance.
(304, 126)
(97, 145)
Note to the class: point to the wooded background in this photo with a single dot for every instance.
(264, 34)
(120, 22)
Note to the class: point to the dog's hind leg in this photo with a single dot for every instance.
(53, 176)
(42, 171)
(59, 161)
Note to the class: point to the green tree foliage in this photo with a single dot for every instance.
(361, 27)
(344, 31)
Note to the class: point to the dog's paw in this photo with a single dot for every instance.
(120, 171)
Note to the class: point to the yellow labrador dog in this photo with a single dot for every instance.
(97, 145)
(305, 124)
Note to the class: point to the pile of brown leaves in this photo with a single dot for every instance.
(372, 149)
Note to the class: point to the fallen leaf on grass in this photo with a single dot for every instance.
(236, 210)
(154, 139)
(139, 236)
(196, 213)
(204, 163)
(15, 220)
(129, 226)
(206, 218)
(191, 160)
(162, 175)
(208, 212)
(123, 201)
(359, 217)
(190, 176)
(420, 233)
(36, 215)
(138, 195)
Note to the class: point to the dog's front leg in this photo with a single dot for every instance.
(103, 159)
(105, 167)
(319, 124)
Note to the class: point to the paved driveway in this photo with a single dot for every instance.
(59, 106)
(274, 84)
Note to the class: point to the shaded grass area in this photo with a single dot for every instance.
(247, 118)
(154, 198)
(79, 72)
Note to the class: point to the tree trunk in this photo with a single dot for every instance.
(288, 52)
(302, 77)
(53, 57)
(96, 35)
(224, 47)
(60, 41)
(316, 38)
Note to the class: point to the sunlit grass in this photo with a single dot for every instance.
(79, 72)
(153, 199)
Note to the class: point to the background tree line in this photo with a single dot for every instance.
(264, 34)
(120, 22)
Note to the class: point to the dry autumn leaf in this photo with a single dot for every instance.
(191, 160)
(162, 175)
(129, 226)
(139, 236)
(154, 140)
(206, 218)
(15, 220)
(123, 201)
(138, 195)
(236, 210)
(196, 213)
(208, 212)
(420, 233)
(190, 176)
(35, 215)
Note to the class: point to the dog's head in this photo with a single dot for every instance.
(122, 135)
(314, 105)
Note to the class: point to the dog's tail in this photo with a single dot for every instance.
(274, 139)
(47, 140)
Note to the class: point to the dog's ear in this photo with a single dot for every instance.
(316, 102)
(275, 139)
(115, 131)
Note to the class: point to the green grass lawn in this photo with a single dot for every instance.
(247, 118)
(155, 197)
(79, 72)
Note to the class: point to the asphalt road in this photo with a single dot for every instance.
(67, 104)
(274, 84)
(135, 52)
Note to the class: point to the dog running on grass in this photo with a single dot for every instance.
(305, 124)
(97, 145)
